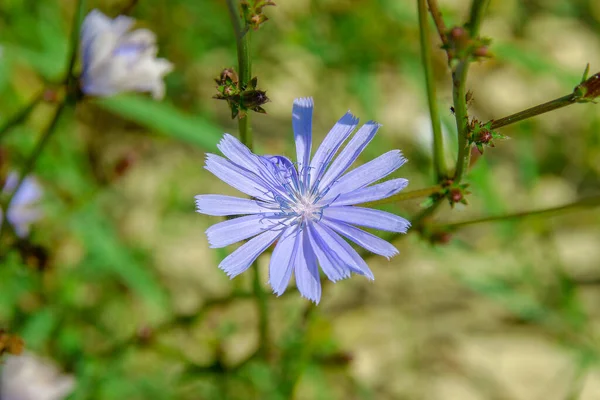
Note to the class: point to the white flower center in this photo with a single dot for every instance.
(306, 209)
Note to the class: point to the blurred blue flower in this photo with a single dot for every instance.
(21, 210)
(306, 206)
(115, 60)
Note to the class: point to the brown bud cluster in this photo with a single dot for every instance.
(240, 98)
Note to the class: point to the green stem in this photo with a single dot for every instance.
(584, 203)
(403, 196)
(459, 81)
(537, 110)
(19, 117)
(459, 77)
(242, 38)
(37, 151)
(439, 22)
(439, 161)
(478, 8)
(75, 32)
(69, 100)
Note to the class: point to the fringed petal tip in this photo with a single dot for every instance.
(375, 123)
(305, 102)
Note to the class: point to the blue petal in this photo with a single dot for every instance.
(367, 173)
(349, 154)
(283, 259)
(261, 170)
(219, 205)
(364, 239)
(306, 270)
(331, 264)
(233, 230)
(367, 217)
(342, 251)
(241, 179)
(332, 142)
(302, 124)
(371, 193)
(241, 259)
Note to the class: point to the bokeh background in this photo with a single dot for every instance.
(117, 284)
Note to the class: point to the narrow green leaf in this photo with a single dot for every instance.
(165, 118)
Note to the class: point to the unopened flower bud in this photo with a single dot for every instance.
(455, 195)
(457, 33)
(482, 51)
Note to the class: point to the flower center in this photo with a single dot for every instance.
(306, 209)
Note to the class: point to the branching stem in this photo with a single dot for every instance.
(439, 160)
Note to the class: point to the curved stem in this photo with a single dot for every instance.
(439, 161)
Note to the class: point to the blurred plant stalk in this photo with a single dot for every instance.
(242, 38)
(68, 101)
(439, 161)
(589, 202)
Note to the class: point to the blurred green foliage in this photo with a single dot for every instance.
(128, 297)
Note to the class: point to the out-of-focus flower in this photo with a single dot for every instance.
(307, 206)
(115, 60)
(21, 210)
(28, 377)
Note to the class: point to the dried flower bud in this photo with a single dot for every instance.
(589, 89)
(228, 76)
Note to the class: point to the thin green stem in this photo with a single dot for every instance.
(459, 81)
(478, 8)
(403, 196)
(242, 38)
(580, 204)
(537, 110)
(37, 151)
(19, 117)
(459, 77)
(75, 32)
(439, 161)
(439, 22)
(69, 100)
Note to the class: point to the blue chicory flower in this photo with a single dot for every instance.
(21, 210)
(115, 60)
(304, 206)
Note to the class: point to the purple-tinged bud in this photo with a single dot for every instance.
(455, 195)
